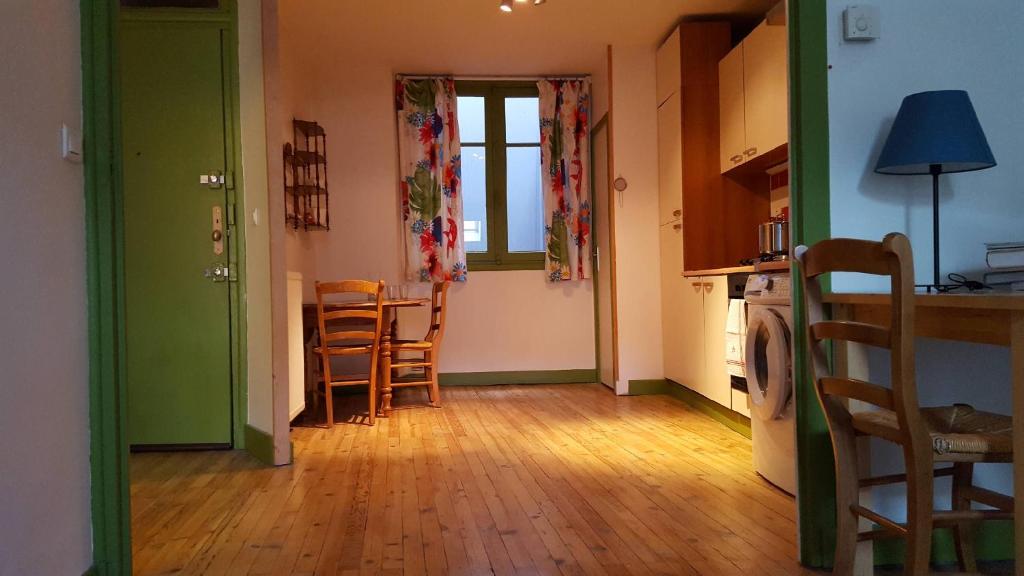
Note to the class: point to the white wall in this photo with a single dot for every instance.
(342, 75)
(44, 367)
(931, 45)
(254, 215)
(928, 45)
(637, 248)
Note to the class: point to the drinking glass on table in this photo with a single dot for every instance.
(403, 291)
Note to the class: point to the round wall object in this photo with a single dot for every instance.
(620, 184)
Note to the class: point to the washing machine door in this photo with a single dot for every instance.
(769, 372)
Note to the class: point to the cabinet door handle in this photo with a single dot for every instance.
(737, 159)
(696, 286)
(677, 213)
(709, 286)
(677, 226)
(751, 151)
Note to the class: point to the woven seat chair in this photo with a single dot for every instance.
(955, 434)
(343, 332)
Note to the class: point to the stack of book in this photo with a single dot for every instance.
(1006, 265)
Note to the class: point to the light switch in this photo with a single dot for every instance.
(861, 23)
(70, 144)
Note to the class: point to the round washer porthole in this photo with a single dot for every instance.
(768, 363)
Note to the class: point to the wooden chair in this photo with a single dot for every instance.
(956, 434)
(343, 333)
(429, 348)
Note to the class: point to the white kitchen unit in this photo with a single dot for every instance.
(753, 97)
(668, 67)
(732, 120)
(717, 384)
(670, 163)
(682, 323)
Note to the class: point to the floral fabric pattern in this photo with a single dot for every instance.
(430, 171)
(565, 174)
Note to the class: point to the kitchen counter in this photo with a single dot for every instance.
(780, 266)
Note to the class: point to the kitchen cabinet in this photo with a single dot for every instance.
(717, 384)
(766, 90)
(670, 162)
(731, 109)
(667, 66)
(753, 97)
(682, 314)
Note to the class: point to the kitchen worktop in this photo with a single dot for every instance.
(780, 266)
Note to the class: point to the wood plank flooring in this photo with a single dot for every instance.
(564, 479)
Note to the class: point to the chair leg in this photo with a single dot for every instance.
(920, 505)
(435, 391)
(963, 533)
(847, 496)
(329, 402)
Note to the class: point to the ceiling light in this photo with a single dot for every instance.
(506, 5)
(538, 2)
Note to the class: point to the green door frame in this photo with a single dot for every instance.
(809, 196)
(110, 507)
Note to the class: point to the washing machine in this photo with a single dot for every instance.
(769, 366)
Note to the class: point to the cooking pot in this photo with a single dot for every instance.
(773, 238)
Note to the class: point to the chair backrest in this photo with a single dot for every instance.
(891, 257)
(438, 307)
(347, 326)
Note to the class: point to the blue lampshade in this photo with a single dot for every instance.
(937, 128)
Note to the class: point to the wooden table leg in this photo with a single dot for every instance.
(1017, 360)
(385, 365)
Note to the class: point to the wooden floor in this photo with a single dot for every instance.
(565, 479)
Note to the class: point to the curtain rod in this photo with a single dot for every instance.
(495, 78)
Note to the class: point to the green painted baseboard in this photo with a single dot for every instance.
(993, 543)
(259, 444)
(733, 420)
(523, 377)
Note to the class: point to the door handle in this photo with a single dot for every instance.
(218, 272)
(751, 151)
(736, 159)
(677, 213)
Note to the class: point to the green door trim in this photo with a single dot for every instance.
(108, 441)
(110, 500)
(809, 194)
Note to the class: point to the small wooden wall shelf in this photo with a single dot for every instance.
(306, 200)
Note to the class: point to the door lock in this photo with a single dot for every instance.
(217, 235)
(218, 272)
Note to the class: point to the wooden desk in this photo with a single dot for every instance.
(390, 323)
(989, 318)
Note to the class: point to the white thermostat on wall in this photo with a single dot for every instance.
(861, 23)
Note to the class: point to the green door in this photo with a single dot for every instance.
(174, 130)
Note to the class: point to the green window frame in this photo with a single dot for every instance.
(498, 256)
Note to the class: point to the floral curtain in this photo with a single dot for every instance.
(565, 174)
(430, 170)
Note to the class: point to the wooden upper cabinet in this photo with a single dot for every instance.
(732, 109)
(670, 161)
(754, 97)
(765, 85)
(669, 77)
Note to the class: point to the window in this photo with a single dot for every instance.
(502, 201)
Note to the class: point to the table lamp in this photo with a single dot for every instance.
(935, 133)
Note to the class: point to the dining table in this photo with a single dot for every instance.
(389, 321)
(995, 318)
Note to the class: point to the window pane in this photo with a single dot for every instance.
(525, 203)
(471, 118)
(522, 120)
(474, 198)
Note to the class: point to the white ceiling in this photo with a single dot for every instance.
(561, 21)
